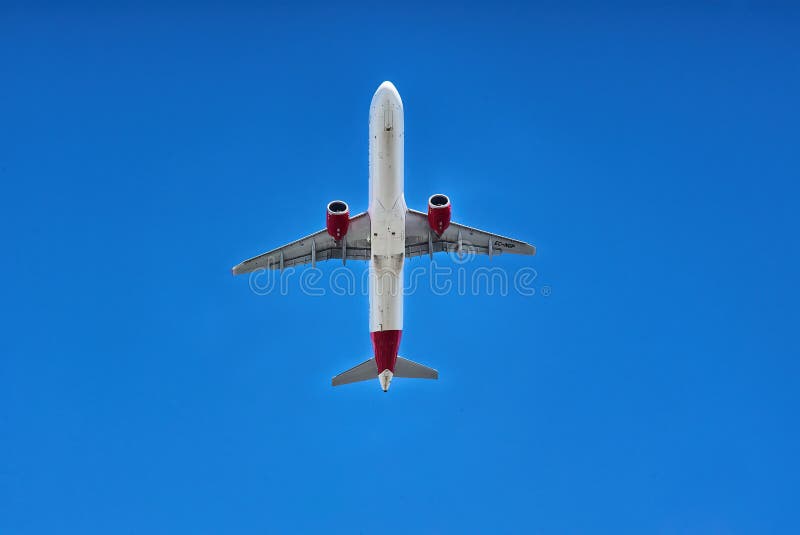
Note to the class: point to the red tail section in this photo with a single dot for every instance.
(386, 344)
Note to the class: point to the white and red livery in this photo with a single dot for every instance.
(385, 235)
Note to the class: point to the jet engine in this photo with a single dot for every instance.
(439, 213)
(337, 219)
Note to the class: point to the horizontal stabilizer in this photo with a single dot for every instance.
(369, 370)
(363, 372)
(413, 370)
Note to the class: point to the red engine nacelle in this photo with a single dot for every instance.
(337, 219)
(439, 213)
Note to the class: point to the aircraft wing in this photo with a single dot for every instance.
(313, 248)
(420, 239)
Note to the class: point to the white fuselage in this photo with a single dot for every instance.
(387, 210)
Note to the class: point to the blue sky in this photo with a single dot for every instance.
(649, 153)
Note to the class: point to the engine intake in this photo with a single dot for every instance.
(439, 213)
(337, 219)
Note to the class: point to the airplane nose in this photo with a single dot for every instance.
(387, 86)
(387, 92)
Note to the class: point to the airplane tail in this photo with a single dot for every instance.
(369, 370)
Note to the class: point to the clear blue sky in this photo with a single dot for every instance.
(650, 153)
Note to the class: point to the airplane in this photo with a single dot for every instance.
(385, 235)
